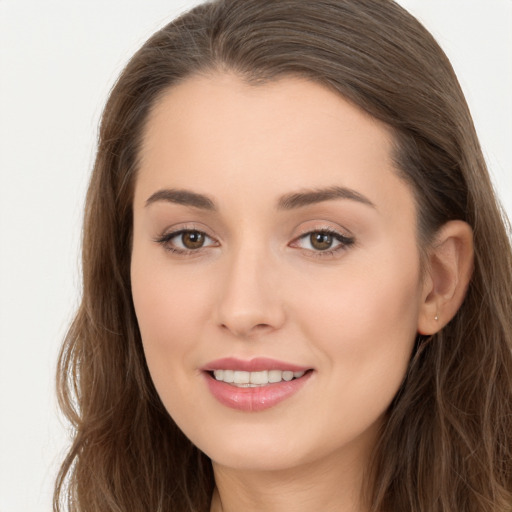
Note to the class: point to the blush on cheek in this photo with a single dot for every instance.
(367, 319)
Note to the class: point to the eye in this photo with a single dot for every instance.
(185, 241)
(323, 241)
(191, 239)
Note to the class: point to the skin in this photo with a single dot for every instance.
(258, 288)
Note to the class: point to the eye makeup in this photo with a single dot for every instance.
(321, 242)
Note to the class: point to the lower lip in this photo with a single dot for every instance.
(257, 398)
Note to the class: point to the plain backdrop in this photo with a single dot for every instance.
(58, 60)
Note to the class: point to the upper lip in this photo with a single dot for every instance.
(257, 364)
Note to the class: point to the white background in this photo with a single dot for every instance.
(58, 60)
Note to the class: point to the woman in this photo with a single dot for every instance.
(297, 279)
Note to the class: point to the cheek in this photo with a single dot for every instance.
(166, 296)
(363, 299)
(170, 308)
(365, 325)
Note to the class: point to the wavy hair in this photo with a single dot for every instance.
(447, 442)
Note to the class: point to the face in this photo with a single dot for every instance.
(273, 240)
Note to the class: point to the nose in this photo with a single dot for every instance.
(250, 301)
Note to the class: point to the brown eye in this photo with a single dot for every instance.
(193, 239)
(186, 241)
(321, 241)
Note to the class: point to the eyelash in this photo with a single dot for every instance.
(344, 242)
(166, 238)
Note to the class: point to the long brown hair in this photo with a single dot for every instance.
(447, 442)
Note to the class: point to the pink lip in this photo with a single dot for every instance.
(257, 398)
(254, 365)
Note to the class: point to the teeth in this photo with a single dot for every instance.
(229, 376)
(275, 376)
(287, 376)
(254, 379)
(258, 377)
(242, 377)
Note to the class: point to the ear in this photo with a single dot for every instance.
(448, 272)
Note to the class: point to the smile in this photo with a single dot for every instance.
(255, 385)
(243, 379)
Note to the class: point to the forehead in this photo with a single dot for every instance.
(214, 131)
(291, 106)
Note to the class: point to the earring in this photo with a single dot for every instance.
(436, 318)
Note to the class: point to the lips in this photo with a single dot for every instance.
(254, 385)
(254, 365)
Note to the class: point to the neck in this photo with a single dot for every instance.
(329, 485)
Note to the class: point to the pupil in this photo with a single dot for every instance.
(321, 241)
(193, 240)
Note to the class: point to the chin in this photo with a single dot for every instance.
(256, 460)
(254, 451)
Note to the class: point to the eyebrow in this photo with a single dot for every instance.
(184, 197)
(286, 202)
(309, 197)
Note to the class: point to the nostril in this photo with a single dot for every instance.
(261, 326)
(246, 330)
